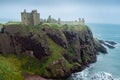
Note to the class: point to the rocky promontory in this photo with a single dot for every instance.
(50, 50)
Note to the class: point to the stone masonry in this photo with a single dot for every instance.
(79, 22)
(30, 19)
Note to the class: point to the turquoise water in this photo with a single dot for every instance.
(107, 66)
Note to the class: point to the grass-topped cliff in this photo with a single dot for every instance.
(49, 50)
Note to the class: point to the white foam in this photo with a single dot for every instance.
(87, 75)
(102, 76)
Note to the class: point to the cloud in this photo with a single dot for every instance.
(101, 11)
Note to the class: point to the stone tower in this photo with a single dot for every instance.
(81, 21)
(30, 19)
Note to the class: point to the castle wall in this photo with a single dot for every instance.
(31, 19)
(79, 22)
(36, 19)
(72, 22)
(24, 18)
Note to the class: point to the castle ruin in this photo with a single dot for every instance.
(33, 19)
(79, 22)
(30, 19)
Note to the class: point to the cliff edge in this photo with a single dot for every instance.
(49, 50)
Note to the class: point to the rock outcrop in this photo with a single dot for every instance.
(61, 50)
(109, 44)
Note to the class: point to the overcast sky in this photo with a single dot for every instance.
(94, 11)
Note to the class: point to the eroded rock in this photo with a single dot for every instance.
(60, 51)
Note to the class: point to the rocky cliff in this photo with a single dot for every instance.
(54, 50)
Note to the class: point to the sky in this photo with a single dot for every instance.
(93, 11)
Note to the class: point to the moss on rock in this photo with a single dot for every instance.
(49, 50)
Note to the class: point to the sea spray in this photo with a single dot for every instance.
(88, 75)
(106, 64)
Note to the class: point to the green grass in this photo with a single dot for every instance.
(70, 51)
(36, 29)
(30, 65)
(33, 29)
(97, 43)
(77, 28)
(12, 22)
(56, 51)
(86, 57)
(10, 68)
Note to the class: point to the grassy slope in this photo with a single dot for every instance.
(11, 67)
(56, 51)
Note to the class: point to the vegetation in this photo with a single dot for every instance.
(71, 51)
(12, 67)
(0, 27)
(0, 24)
(36, 29)
(96, 41)
(28, 29)
(12, 23)
(56, 51)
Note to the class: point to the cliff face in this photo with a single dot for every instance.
(61, 50)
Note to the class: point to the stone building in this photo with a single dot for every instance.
(79, 22)
(30, 19)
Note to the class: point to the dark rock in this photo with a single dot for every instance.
(102, 49)
(111, 42)
(56, 35)
(78, 48)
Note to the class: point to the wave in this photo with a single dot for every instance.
(87, 74)
(118, 45)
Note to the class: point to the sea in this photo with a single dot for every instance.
(107, 66)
